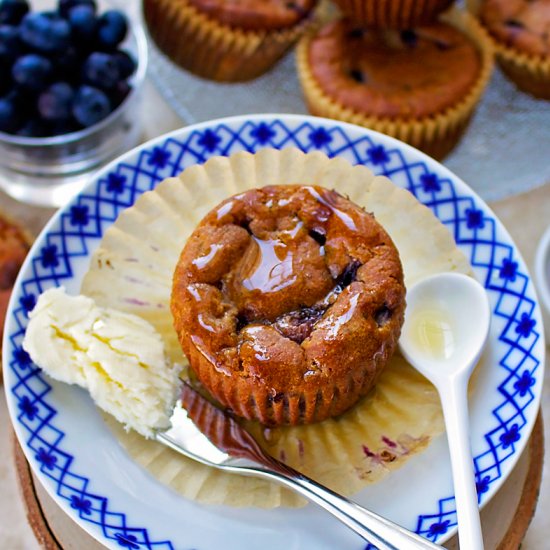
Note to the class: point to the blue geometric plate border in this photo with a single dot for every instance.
(77, 228)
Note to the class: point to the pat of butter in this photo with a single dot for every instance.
(118, 357)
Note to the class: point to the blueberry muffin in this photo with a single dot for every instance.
(288, 302)
(521, 33)
(226, 40)
(419, 86)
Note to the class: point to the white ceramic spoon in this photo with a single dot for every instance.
(446, 325)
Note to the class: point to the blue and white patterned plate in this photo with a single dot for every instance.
(89, 475)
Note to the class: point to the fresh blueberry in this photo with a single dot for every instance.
(65, 6)
(111, 30)
(32, 71)
(64, 127)
(67, 64)
(101, 70)
(83, 22)
(45, 32)
(12, 11)
(90, 105)
(55, 103)
(10, 45)
(126, 63)
(24, 100)
(10, 119)
(119, 93)
(34, 128)
(6, 81)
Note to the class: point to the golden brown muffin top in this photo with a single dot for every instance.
(255, 14)
(287, 283)
(388, 74)
(522, 24)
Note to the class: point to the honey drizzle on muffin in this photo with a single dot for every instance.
(285, 289)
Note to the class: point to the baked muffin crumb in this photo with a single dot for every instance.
(288, 302)
(412, 73)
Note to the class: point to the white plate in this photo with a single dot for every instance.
(90, 476)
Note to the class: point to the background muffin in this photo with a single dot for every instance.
(288, 302)
(419, 86)
(393, 14)
(14, 246)
(520, 30)
(232, 40)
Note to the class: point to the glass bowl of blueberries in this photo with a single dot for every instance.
(71, 74)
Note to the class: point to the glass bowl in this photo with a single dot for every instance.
(49, 171)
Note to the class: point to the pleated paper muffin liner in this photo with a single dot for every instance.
(132, 271)
(212, 50)
(392, 14)
(436, 134)
(530, 73)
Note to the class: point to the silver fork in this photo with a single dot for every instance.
(208, 435)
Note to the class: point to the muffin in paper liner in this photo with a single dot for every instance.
(212, 50)
(15, 242)
(132, 271)
(309, 311)
(435, 134)
(529, 72)
(393, 14)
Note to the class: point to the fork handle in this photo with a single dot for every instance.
(377, 530)
(235, 450)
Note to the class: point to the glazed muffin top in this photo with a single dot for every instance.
(288, 284)
(255, 14)
(390, 74)
(521, 24)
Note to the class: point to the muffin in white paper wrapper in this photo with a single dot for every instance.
(132, 271)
